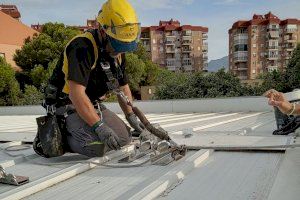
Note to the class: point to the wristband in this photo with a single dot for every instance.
(293, 109)
(96, 125)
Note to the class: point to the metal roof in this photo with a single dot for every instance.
(203, 174)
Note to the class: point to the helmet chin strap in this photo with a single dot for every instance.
(105, 44)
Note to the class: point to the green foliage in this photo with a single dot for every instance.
(135, 69)
(273, 80)
(40, 76)
(152, 71)
(284, 81)
(292, 75)
(9, 87)
(45, 47)
(198, 85)
(141, 70)
(32, 96)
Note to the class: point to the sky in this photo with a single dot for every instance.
(217, 15)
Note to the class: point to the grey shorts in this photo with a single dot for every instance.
(81, 140)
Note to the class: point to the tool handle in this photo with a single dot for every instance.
(158, 133)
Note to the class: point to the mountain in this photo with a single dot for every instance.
(215, 65)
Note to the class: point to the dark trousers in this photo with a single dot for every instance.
(81, 140)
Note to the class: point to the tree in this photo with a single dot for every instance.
(198, 85)
(152, 71)
(45, 47)
(292, 76)
(135, 69)
(40, 76)
(9, 87)
(273, 80)
(32, 96)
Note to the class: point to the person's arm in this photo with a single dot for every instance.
(87, 112)
(278, 100)
(127, 92)
(82, 103)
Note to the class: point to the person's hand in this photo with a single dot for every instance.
(278, 100)
(108, 137)
(134, 122)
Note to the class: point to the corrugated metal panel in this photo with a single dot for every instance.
(223, 175)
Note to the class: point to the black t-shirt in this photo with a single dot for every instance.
(80, 60)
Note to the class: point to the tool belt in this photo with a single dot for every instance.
(50, 140)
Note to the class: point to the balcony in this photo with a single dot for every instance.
(272, 68)
(171, 68)
(145, 37)
(272, 56)
(187, 33)
(187, 60)
(243, 68)
(290, 48)
(290, 38)
(205, 57)
(187, 38)
(170, 43)
(186, 42)
(171, 61)
(204, 36)
(287, 56)
(240, 56)
(186, 50)
(240, 38)
(170, 36)
(291, 30)
(170, 50)
(273, 34)
(273, 47)
(270, 29)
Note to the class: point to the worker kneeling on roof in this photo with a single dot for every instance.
(93, 65)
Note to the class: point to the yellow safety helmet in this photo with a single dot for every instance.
(119, 21)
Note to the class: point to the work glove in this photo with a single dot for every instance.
(134, 122)
(108, 136)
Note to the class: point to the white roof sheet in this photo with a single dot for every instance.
(199, 175)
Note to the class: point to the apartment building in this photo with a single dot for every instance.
(175, 47)
(264, 43)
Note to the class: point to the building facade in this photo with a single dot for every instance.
(11, 10)
(175, 47)
(262, 44)
(12, 36)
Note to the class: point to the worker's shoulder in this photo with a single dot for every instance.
(84, 40)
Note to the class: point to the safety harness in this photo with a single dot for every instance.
(50, 140)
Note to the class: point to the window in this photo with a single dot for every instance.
(254, 45)
(262, 45)
(253, 71)
(154, 41)
(254, 54)
(199, 48)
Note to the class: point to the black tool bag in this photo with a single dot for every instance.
(49, 141)
(292, 125)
